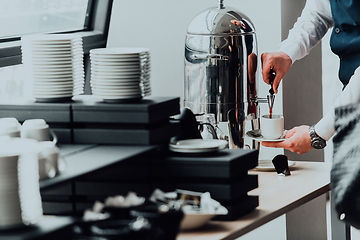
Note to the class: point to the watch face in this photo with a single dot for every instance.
(318, 144)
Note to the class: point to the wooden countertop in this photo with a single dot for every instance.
(277, 195)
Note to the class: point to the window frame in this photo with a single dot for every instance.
(94, 35)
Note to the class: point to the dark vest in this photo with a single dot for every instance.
(345, 38)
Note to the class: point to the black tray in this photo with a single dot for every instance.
(50, 112)
(148, 110)
(239, 209)
(218, 191)
(133, 136)
(228, 163)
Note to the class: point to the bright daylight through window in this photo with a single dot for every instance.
(23, 17)
(19, 17)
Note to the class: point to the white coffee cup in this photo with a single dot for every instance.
(272, 128)
(50, 160)
(37, 129)
(9, 126)
(46, 168)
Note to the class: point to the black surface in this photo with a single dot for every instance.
(50, 112)
(95, 158)
(134, 136)
(59, 208)
(149, 110)
(225, 164)
(92, 191)
(54, 228)
(239, 209)
(218, 191)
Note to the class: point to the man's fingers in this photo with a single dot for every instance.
(290, 133)
(273, 144)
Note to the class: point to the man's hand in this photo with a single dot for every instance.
(280, 63)
(296, 140)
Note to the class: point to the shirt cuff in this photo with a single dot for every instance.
(291, 49)
(325, 128)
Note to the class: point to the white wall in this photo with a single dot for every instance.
(161, 25)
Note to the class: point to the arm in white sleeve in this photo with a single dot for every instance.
(309, 29)
(325, 128)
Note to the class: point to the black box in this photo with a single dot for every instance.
(57, 115)
(50, 112)
(219, 190)
(92, 191)
(144, 123)
(228, 163)
(148, 111)
(239, 208)
(123, 135)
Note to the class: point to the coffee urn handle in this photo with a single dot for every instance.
(221, 4)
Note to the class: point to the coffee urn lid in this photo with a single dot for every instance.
(221, 20)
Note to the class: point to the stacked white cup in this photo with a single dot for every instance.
(10, 126)
(50, 162)
(38, 129)
(20, 200)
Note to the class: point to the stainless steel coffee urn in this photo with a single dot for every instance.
(221, 73)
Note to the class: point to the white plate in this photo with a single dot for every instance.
(57, 67)
(120, 65)
(108, 84)
(117, 88)
(120, 51)
(115, 60)
(197, 145)
(117, 97)
(256, 135)
(53, 95)
(116, 72)
(116, 78)
(116, 68)
(116, 57)
(267, 165)
(109, 91)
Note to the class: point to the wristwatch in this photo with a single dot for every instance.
(316, 141)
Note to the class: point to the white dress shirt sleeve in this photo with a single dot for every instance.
(325, 128)
(309, 29)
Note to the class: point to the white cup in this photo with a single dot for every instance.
(48, 160)
(10, 126)
(272, 128)
(46, 169)
(37, 129)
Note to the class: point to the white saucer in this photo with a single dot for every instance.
(197, 145)
(256, 135)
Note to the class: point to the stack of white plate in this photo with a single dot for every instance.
(54, 65)
(20, 201)
(120, 74)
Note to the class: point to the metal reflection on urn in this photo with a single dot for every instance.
(221, 62)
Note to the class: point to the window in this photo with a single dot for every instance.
(33, 16)
(90, 18)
